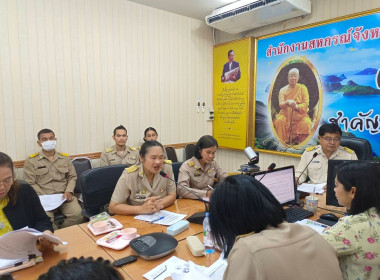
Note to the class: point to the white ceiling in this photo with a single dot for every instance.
(197, 9)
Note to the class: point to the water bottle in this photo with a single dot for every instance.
(207, 238)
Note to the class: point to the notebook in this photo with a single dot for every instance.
(281, 183)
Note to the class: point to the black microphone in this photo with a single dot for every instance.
(314, 156)
(198, 217)
(270, 169)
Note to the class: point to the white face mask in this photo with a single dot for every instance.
(49, 145)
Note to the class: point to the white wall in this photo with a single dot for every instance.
(83, 67)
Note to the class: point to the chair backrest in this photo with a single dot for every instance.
(98, 185)
(189, 151)
(176, 166)
(81, 164)
(170, 152)
(361, 146)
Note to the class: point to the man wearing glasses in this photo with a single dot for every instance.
(328, 148)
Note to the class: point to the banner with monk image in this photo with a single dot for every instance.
(322, 73)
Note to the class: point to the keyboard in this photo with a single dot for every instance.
(295, 214)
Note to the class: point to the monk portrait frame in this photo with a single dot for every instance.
(293, 128)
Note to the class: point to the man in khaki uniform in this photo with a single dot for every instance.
(51, 172)
(329, 148)
(120, 153)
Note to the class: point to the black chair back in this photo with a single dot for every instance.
(189, 151)
(170, 152)
(98, 185)
(81, 164)
(361, 146)
(176, 166)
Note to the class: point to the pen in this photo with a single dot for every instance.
(211, 188)
(160, 218)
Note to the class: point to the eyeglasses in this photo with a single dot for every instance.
(328, 139)
(6, 182)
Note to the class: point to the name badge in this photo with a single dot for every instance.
(197, 173)
(141, 195)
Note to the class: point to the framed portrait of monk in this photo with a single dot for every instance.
(295, 101)
(326, 72)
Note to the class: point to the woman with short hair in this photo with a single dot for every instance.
(247, 221)
(201, 171)
(356, 237)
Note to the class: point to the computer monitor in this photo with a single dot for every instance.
(280, 182)
(331, 174)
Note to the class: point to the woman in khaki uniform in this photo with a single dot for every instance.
(200, 172)
(141, 189)
(248, 222)
(150, 134)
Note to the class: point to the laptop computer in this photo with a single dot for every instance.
(281, 183)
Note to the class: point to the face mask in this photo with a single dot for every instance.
(49, 145)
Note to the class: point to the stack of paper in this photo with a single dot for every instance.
(179, 269)
(318, 227)
(16, 246)
(163, 217)
(312, 188)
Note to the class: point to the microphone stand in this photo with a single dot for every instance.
(196, 218)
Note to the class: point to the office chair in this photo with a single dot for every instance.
(361, 146)
(189, 151)
(98, 185)
(176, 166)
(81, 164)
(170, 152)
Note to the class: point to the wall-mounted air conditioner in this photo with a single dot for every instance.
(248, 14)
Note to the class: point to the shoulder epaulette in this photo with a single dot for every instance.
(109, 150)
(348, 150)
(133, 148)
(64, 154)
(139, 148)
(33, 155)
(167, 161)
(131, 169)
(191, 163)
(310, 148)
(247, 234)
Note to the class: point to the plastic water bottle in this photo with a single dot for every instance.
(207, 238)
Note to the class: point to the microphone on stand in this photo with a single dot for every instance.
(300, 194)
(198, 217)
(314, 156)
(270, 169)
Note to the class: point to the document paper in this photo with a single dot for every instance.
(51, 201)
(19, 244)
(163, 217)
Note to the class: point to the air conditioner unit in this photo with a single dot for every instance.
(248, 14)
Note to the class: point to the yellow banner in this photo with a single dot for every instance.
(232, 64)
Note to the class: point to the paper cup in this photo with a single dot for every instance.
(100, 226)
(129, 233)
(311, 203)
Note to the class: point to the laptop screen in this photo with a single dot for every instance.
(280, 182)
